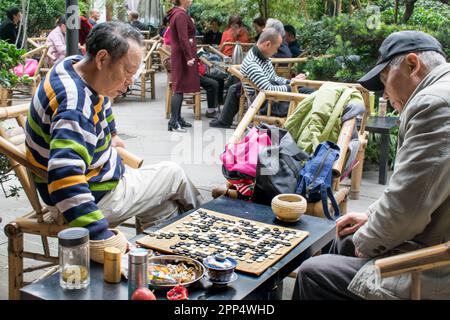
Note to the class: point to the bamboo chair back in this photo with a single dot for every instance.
(246, 99)
(246, 46)
(283, 66)
(415, 262)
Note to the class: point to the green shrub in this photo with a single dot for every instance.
(10, 57)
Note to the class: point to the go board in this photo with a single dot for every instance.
(256, 246)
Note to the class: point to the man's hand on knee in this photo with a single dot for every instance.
(350, 223)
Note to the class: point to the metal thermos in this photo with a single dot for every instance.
(137, 270)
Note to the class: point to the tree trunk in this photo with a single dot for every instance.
(304, 8)
(396, 12)
(338, 7)
(409, 10)
(358, 4)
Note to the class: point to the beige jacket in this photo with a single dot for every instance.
(414, 210)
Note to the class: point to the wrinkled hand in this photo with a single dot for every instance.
(117, 142)
(190, 63)
(300, 76)
(350, 223)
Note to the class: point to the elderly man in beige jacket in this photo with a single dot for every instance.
(414, 209)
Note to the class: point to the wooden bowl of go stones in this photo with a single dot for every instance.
(289, 207)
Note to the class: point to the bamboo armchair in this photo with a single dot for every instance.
(245, 99)
(39, 221)
(340, 193)
(36, 79)
(6, 95)
(148, 73)
(165, 55)
(415, 262)
(36, 43)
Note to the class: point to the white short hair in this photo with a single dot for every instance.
(430, 59)
(277, 25)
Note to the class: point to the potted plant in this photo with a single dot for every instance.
(10, 57)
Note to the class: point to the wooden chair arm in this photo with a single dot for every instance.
(205, 61)
(243, 44)
(34, 51)
(14, 111)
(210, 48)
(248, 117)
(287, 60)
(415, 261)
(129, 159)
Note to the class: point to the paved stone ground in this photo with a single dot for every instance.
(143, 127)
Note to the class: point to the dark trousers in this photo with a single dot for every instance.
(221, 83)
(327, 276)
(231, 105)
(212, 90)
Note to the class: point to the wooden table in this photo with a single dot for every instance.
(383, 126)
(267, 286)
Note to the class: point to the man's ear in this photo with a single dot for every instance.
(413, 63)
(101, 59)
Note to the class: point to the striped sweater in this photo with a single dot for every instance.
(68, 134)
(259, 70)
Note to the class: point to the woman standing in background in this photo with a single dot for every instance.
(183, 60)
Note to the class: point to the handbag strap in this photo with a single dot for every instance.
(324, 192)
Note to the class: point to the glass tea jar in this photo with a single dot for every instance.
(73, 247)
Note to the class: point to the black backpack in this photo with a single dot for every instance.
(278, 166)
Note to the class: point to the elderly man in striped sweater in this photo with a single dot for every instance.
(258, 68)
(71, 133)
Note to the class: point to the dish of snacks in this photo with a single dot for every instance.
(169, 271)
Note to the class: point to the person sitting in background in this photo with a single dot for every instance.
(56, 40)
(95, 16)
(133, 18)
(213, 35)
(163, 28)
(258, 68)
(283, 50)
(9, 27)
(71, 134)
(235, 32)
(292, 41)
(259, 25)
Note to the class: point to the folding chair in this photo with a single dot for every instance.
(39, 221)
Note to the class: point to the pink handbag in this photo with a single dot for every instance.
(28, 69)
(243, 156)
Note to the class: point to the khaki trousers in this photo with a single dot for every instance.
(151, 194)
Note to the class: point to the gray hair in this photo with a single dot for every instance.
(277, 25)
(430, 59)
(112, 37)
(268, 34)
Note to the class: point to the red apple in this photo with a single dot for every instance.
(143, 294)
